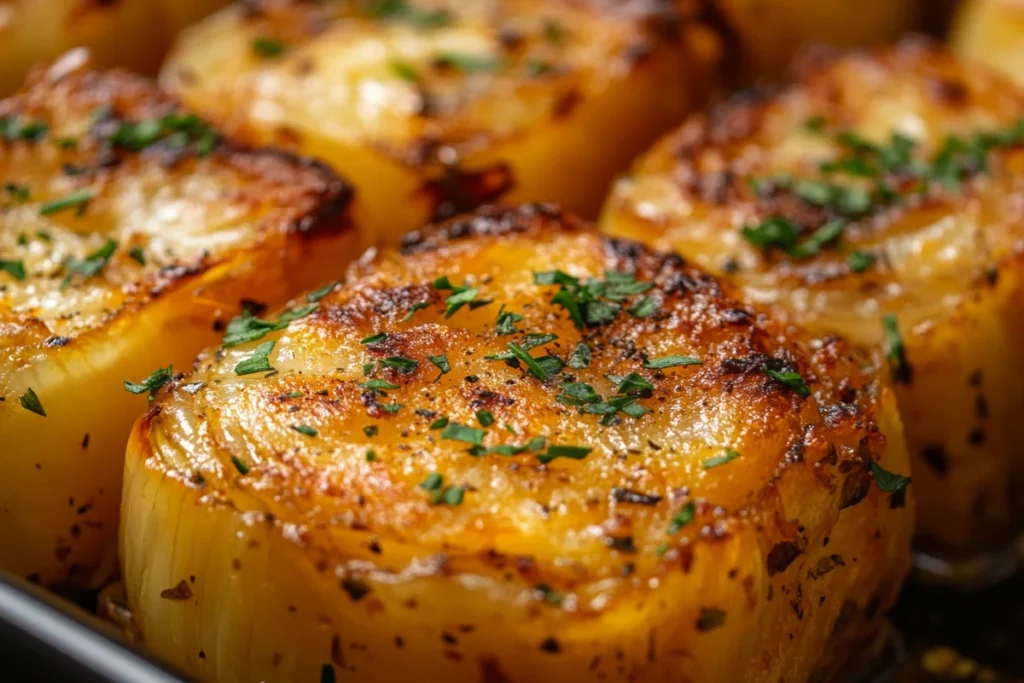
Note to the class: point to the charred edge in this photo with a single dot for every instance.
(456, 190)
(489, 220)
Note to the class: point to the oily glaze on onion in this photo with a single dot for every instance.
(128, 233)
(381, 501)
(434, 107)
(931, 261)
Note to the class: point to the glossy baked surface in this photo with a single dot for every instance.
(877, 196)
(128, 229)
(634, 495)
(432, 108)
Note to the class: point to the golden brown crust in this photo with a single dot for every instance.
(914, 158)
(129, 233)
(766, 473)
(83, 113)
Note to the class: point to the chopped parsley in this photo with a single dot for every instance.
(685, 515)
(468, 62)
(245, 327)
(860, 261)
(378, 385)
(439, 423)
(644, 308)
(670, 362)
(138, 255)
(459, 297)
(305, 430)
(75, 200)
(441, 363)
(402, 10)
(888, 482)
(532, 364)
(240, 465)
(405, 71)
(571, 452)
(19, 193)
(439, 493)
(30, 402)
(506, 322)
(470, 435)
(152, 384)
(318, 294)
(370, 456)
(412, 311)
(894, 351)
(259, 361)
(401, 363)
(717, 460)
(485, 418)
(580, 357)
(390, 408)
(177, 129)
(15, 269)
(633, 382)
(12, 128)
(370, 431)
(92, 264)
(374, 338)
(267, 47)
(595, 301)
(790, 380)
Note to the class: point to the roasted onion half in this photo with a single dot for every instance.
(433, 107)
(128, 233)
(518, 451)
(877, 196)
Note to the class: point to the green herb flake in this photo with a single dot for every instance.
(318, 294)
(485, 418)
(75, 200)
(405, 71)
(894, 350)
(506, 322)
(152, 384)
(439, 423)
(412, 311)
(267, 47)
(815, 124)
(671, 362)
(685, 515)
(717, 460)
(441, 363)
(774, 232)
(633, 382)
(571, 452)
(370, 456)
(790, 380)
(644, 308)
(240, 465)
(860, 261)
(468, 62)
(470, 435)
(374, 339)
(532, 364)
(305, 430)
(92, 264)
(30, 402)
(580, 357)
(370, 431)
(888, 482)
(15, 269)
(378, 385)
(19, 193)
(401, 363)
(433, 482)
(390, 408)
(138, 255)
(259, 361)
(327, 670)
(453, 495)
